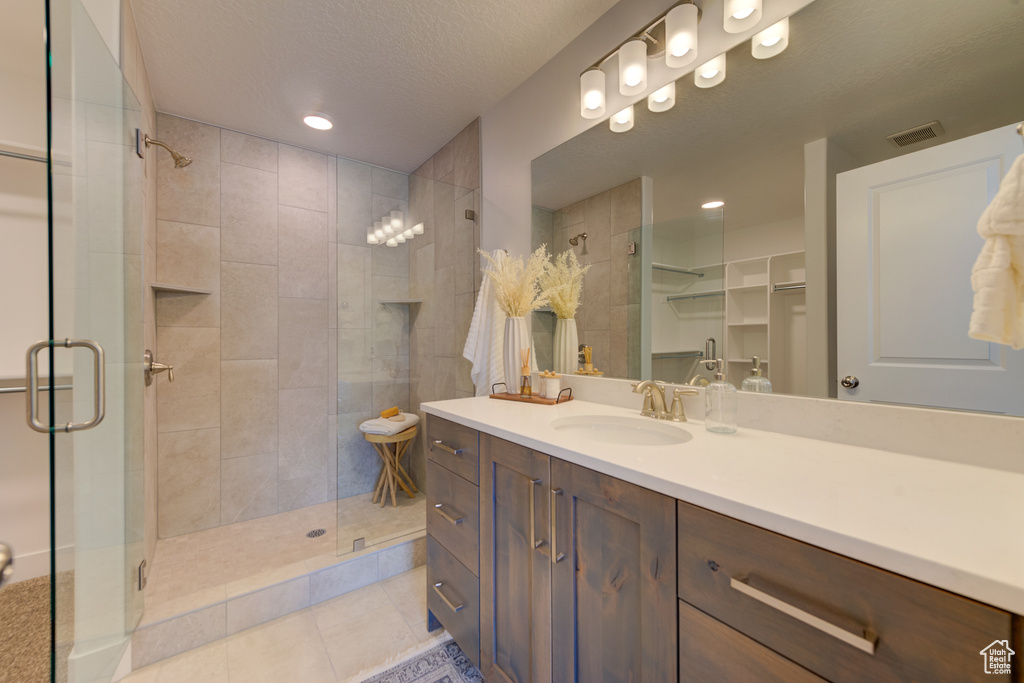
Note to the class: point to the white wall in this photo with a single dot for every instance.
(543, 112)
(779, 237)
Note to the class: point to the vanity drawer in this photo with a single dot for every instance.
(454, 446)
(822, 610)
(456, 601)
(711, 652)
(456, 523)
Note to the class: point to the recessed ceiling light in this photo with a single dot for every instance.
(318, 121)
(712, 205)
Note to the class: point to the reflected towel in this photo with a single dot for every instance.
(385, 426)
(485, 342)
(998, 275)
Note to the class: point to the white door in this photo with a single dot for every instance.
(906, 240)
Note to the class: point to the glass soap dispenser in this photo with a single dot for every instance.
(720, 403)
(756, 382)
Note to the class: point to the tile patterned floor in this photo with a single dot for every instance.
(344, 639)
(209, 566)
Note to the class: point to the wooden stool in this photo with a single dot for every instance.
(392, 474)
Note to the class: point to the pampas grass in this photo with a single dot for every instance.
(516, 285)
(563, 278)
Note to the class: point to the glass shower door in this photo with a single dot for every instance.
(96, 328)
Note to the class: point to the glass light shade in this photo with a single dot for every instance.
(710, 74)
(371, 238)
(400, 238)
(622, 121)
(592, 94)
(388, 230)
(662, 99)
(409, 234)
(770, 41)
(681, 35)
(633, 67)
(397, 221)
(392, 242)
(741, 15)
(417, 229)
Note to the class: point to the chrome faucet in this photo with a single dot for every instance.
(654, 399)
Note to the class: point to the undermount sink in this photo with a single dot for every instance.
(628, 431)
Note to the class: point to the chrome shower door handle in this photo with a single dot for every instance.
(99, 385)
(710, 351)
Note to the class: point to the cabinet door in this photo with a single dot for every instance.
(515, 572)
(613, 603)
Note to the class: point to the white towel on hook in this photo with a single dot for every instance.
(998, 275)
(485, 342)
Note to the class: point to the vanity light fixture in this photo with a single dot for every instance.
(681, 35)
(741, 15)
(662, 99)
(592, 93)
(633, 67)
(712, 205)
(673, 34)
(318, 121)
(409, 234)
(400, 238)
(397, 221)
(386, 227)
(371, 237)
(392, 242)
(622, 121)
(417, 229)
(770, 41)
(710, 74)
(390, 230)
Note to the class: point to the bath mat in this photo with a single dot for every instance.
(445, 663)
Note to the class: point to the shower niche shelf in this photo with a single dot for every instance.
(177, 289)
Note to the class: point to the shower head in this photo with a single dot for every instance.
(179, 160)
(574, 241)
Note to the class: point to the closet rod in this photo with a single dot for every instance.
(678, 297)
(783, 288)
(675, 269)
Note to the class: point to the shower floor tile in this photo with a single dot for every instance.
(205, 567)
(345, 640)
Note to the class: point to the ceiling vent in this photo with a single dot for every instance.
(916, 134)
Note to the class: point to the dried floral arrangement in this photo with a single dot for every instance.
(563, 278)
(516, 284)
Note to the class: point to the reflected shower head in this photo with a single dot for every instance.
(179, 160)
(574, 241)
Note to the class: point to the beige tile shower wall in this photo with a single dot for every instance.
(605, 312)
(372, 349)
(248, 428)
(443, 271)
(133, 67)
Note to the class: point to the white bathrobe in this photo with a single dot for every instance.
(998, 276)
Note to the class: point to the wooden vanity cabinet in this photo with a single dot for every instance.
(605, 608)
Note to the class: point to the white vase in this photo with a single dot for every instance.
(516, 339)
(566, 346)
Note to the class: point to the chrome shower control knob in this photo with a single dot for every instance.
(850, 382)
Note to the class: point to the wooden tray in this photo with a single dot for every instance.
(535, 399)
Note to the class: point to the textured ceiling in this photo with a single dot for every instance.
(854, 72)
(399, 77)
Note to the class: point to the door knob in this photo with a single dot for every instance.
(6, 563)
(850, 382)
(154, 368)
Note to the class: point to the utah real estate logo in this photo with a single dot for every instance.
(997, 657)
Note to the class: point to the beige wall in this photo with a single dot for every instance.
(444, 270)
(247, 428)
(603, 318)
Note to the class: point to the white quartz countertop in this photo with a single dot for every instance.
(954, 526)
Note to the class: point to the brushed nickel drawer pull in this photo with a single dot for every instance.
(534, 483)
(448, 517)
(865, 643)
(556, 556)
(437, 589)
(449, 449)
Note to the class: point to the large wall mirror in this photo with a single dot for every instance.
(839, 253)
